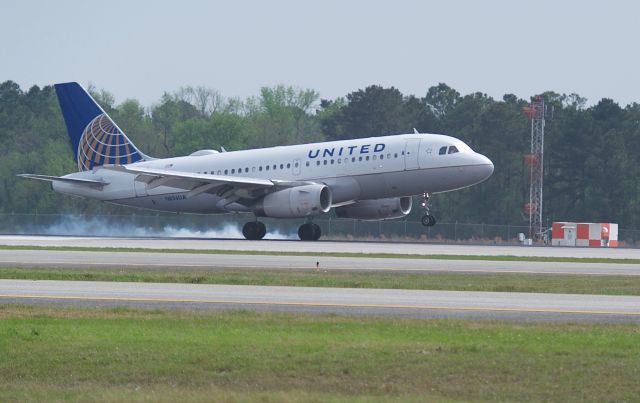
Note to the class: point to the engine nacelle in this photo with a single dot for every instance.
(377, 209)
(295, 202)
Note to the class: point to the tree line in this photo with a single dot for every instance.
(591, 168)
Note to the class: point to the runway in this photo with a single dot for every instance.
(195, 261)
(419, 248)
(410, 303)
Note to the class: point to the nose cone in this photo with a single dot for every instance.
(483, 167)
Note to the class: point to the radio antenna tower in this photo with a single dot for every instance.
(536, 112)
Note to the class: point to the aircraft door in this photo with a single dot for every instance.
(411, 154)
(296, 167)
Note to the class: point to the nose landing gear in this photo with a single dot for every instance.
(427, 219)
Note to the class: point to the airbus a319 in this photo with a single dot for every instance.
(368, 178)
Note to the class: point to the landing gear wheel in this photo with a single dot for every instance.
(254, 230)
(309, 232)
(263, 230)
(428, 220)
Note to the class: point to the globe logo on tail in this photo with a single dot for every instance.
(103, 143)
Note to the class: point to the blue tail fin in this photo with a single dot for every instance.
(95, 138)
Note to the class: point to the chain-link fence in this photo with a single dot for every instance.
(230, 226)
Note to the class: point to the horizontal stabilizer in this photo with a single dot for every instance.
(75, 181)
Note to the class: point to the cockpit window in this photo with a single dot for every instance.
(453, 150)
(443, 150)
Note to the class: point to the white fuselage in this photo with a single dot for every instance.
(360, 169)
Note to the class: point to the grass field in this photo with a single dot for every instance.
(506, 258)
(545, 283)
(129, 355)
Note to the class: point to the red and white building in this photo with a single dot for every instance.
(584, 234)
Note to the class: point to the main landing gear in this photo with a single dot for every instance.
(427, 219)
(254, 230)
(309, 232)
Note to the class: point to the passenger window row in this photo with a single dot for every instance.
(361, 158)
(233, 171)
(275, 167)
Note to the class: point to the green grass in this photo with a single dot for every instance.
(129, 355)
(506, 258)
(545, 283)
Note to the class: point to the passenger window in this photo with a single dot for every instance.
(353, 159)
(219, 172)
(367, 158)
(267, 167)
(281, 166)
(453, 150)
(381, 156)
(233, 171)
(339, 160)
(443, 150)
(388, 156)
(260, 168)
(359, 158)
(307, 164)
(275, 167)
(246, 170)
(332, 161)
(375, 158)
(325, 162)
(395, 155)
(226, 171)
(318, 162)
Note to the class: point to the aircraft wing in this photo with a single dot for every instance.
(228, 187)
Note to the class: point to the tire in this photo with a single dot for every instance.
(254, 230)
(428, 220)
(262, 230)
(317, 232)
(309, 232)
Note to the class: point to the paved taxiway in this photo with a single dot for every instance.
(412, 303)
(321, 246)
(195, 261)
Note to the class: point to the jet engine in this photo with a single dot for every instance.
(295, 202)
(376, 209)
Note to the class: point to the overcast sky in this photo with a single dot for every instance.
(140, 49)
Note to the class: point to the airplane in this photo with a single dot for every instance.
(367, 178)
